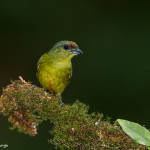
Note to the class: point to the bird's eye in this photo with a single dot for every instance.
(66, 46)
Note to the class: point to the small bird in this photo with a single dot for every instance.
(54, 68)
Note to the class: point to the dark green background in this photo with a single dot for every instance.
(113, 75)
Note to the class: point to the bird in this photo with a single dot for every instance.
(54, 68)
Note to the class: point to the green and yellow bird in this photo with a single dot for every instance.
(54, 68)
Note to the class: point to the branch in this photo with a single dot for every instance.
(27, 106)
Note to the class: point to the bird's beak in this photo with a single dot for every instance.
(77, 51)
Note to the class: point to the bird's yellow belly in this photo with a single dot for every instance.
(55, 78)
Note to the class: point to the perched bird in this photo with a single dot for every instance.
(54, 68)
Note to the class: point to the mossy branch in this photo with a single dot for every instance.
(73, 128)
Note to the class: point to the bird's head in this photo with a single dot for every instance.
(65, 49)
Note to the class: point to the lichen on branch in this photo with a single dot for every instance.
(27, 105)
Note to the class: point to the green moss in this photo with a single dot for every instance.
(73, 128)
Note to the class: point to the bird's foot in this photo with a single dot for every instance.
(34, 86)
(61, 102)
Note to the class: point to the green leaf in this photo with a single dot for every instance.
(137, 132)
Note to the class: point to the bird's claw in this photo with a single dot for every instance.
(61, 102)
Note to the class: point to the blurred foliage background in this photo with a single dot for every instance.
(113, 75)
